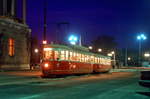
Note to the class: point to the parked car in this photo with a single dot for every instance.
(145, 79)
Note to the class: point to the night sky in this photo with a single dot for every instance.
(123, 19)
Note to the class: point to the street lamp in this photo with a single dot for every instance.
(114, 57)
(99, 50)
(129, 58)
(36, 50)
(140, 38)
(147, 55)
(44, 42)
(73, 39)
(113, 52)
(109, 54)
(90, 47)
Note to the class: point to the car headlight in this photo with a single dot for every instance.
(46, 65)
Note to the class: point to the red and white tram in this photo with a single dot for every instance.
(63, 60)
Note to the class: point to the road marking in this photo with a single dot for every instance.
(30, 97)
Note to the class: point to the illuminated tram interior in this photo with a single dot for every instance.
(80, 57)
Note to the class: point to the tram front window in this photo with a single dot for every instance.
(48, 53)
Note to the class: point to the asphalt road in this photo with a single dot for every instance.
(29, 85)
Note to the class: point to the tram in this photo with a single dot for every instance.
(73, 59)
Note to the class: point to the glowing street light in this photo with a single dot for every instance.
(73, 39)
(90, 47)
(147, 55)
(36, 50)
(109, 54)
(129, 58)
(141, 37)
(44, 42)
(112, 52)
(99, 50)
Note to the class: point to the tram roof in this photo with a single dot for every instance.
(76, 48)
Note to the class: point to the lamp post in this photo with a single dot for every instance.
(140, 38)
(114, 58)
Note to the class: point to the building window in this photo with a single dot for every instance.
(11, 47)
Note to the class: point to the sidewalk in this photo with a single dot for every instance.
(124, 70)
(22, 73)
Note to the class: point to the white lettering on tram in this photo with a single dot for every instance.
(47, 49)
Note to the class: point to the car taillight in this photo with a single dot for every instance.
(46, 65)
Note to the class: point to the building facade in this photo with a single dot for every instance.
(8, 8)
(14, 39)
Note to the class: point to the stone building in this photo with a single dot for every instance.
(14, 38)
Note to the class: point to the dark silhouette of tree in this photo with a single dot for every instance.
(105, 42)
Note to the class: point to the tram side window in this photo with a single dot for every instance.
(74, 56)
(92, 59)
(48, 54)
(108, 62)
(71, 55)
(88, 59)
(105, 62)
(98, 60)
(67, 55)
(102, 61)
(77, 57)
(85, 58)
(82, 58)
(62, 55)
(56, 55)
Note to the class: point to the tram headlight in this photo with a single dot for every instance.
(46, 65)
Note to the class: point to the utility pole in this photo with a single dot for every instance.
(126, 56)
(13, 8)
(80, 41)
(139, 52)
(45, 16)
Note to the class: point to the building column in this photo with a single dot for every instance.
(13, 8)
(24, 11)
(4, 7)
